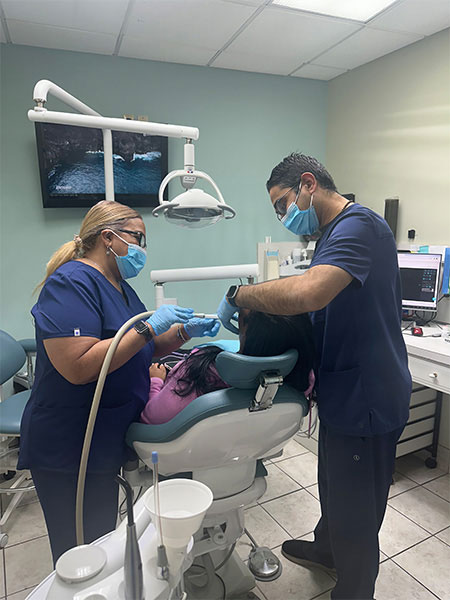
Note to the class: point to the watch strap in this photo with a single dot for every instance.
(143, 329)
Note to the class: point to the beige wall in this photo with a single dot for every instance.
(389, 135)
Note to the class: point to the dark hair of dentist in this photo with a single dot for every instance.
(352, 292)
(84, 300)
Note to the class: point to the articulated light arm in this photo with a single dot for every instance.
(193, 208)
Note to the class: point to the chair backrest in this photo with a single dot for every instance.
(244, 372)
(12, 356)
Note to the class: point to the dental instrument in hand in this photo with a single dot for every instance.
(162, 562)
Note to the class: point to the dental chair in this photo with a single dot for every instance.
(12, 358)
(221, 439)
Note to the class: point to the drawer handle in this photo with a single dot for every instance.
(433, 375)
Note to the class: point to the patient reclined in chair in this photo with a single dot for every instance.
(259, 335)
(221, 437)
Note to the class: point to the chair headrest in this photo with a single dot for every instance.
(244, 372)
(12, 356)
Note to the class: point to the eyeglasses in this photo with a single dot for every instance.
(280, 205)
(138, 236)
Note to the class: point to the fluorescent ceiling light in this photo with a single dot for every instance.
(358, 10)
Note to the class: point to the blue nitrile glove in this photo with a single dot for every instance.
(226, 312)
(202, 327)
(168, 314)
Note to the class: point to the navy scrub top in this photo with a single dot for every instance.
(77, 300)
(364, 384)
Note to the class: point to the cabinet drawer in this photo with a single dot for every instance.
(418, 443)
(413, 429)
(421, 412)
(435, 375)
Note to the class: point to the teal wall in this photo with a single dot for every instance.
(248, 123)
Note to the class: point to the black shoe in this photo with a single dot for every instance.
(302, 553)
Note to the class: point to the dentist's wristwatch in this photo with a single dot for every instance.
(231, 295)
(143, 329)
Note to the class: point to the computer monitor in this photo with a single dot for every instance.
(419, 275)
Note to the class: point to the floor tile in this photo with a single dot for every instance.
(2, 575)
(394, 584)
(399, 533)
(25, 523)
(27, 564)
(314, 490)
(401, 484)
(262, 527)
(243, 546)
(278, 484)
(414, 467)
(440, 486)
(20, 595)
(292, 448)
(302, 468)
(296, 582)
(298, 512)
(428, 562)
(424, 508)
(444, 535)
(325, 596)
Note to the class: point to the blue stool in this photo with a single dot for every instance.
(12, 358)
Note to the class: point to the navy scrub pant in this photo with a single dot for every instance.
(57, 494)
(354, 478)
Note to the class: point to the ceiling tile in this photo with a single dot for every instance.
(31, 34)
(102, 16)
(207, 24)
(282, 40)
(165, 51)
(312, 71)
(416, 16)
(364, 46)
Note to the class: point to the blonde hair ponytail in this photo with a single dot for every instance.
(103, 215)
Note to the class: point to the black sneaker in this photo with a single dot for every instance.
(301, 553)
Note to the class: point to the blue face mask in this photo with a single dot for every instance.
(133, 262)
(301, 222)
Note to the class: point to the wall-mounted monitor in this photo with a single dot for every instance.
(72, 171)
(419, 275)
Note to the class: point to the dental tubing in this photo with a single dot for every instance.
(93, 415)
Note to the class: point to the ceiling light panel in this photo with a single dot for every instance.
(102, 16)
(357, 10)
(280, 41)
(366, 45)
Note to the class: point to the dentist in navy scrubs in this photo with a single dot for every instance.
(352, 292)
(84, 300)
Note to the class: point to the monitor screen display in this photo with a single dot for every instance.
(72, 171)
(419, 275)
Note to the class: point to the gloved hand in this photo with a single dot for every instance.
(202, 327)
(168, 314)
(226, 313)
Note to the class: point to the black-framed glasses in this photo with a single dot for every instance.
(280, 205)
(138, 236)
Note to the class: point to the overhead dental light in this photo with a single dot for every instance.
(193, 209)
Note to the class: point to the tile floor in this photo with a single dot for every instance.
(414, 539)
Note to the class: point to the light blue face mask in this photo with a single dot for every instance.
(133, 262)
(301, 222)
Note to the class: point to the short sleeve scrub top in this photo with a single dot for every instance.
(77, 300)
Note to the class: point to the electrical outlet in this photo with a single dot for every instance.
(142, 118)
(128, 117)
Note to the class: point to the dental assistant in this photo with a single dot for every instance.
(352, 292)
(84, 301)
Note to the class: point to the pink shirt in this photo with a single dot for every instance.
(164, 403)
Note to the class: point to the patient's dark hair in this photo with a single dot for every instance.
(265, 335)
